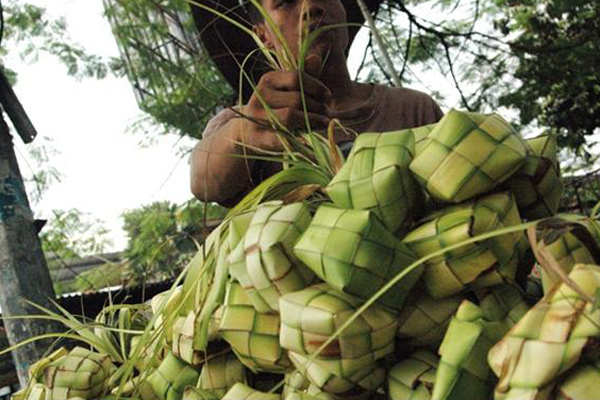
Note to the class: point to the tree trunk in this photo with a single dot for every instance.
(24, 275)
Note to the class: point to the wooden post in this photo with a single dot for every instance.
(24, 274)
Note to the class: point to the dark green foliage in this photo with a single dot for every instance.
(174, 79)
(164, 236)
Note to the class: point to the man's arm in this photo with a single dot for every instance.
(219, 172)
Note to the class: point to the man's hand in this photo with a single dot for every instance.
(281, 92)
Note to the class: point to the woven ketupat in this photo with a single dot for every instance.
(263, 261)
(550, 339)
(569, 243)
(489, 262)
(376, 177)
(193, 393)
(422, 137)
(242, 392)
(219, 374)
(309, 317)
(468, 154)
(355, 253)
(463, 372)
(171, 377)
(253, 336)
(423, 320)
(582, 383)
(368, 378)
(537, 185)
(80, 373)
(413, 378)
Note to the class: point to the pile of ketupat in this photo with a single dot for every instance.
(406, 276)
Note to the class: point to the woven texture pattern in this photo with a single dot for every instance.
(549, 339)
(413, 377)
(476, 265)
(376, 177)
(537, 185)
(310, 316)
(253, 336)
(423, 320)
(242, 392)
(581, 384)
(193, 393)
(354, 252)
(463, 372)
(81, 373)
(567, 250)
(468, 154)
(171, 377)
(221, 373)
(263, 261)
(369, 378)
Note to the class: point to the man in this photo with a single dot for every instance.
(218, 173)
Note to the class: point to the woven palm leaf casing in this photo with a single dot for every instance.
(549, 339)
(171, 377)
(239, 391)
(221, 373)
(537, 185)
(423, 320)
(468, 154)
(355, 253)
(413, 378)
(81, 373)
(502, 306)
(295, 382)
(300, 396)
(422, 137)
(463, 372)
(36, 370)
(263, 262)
(568, 243)
(193, 393)
(582, 383)
(489, 262)
(368, 378)
(311, 315)
(253, 336)
(376, 177)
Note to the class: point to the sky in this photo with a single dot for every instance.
(105, 170)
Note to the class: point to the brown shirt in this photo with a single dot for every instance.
(386, 109)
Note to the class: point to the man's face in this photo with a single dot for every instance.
(291, 15)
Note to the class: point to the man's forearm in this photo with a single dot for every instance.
(218, 172)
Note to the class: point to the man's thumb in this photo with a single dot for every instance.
(312, 65)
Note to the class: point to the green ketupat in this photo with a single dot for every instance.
(367, 379)
(582, 383)
(376, 177)
(193, 393)
(466, 155)
(486, 263)
(413, 378)
(263, 261)
(569, 243)
(80, 373)
(537, 185)
(242, 392)
(463, 372)
(253, 336)
(355, 253)
(423, 320)
(549, 340)
(311, 315)
(219, 374)
(171, 377)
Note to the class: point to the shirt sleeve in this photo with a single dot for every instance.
(218, 121)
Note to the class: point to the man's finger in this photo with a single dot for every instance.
(313, 64)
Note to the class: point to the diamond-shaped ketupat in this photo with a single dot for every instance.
(467, 154)
(376, 177)
(537, 185)
(486, 263)
(354, 252)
